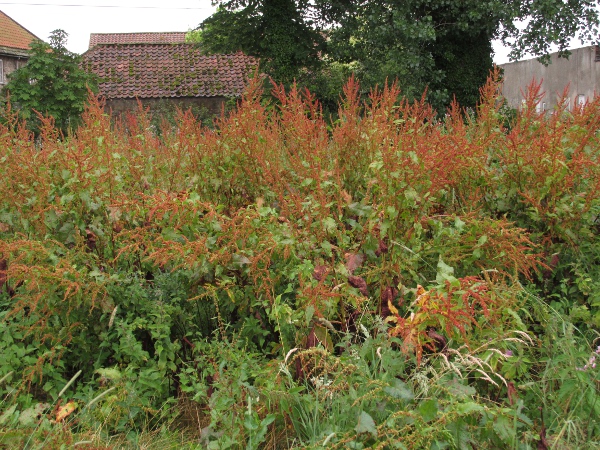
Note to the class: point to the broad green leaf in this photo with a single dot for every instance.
(428, 409)
(468, 408)
(7, 413)
(503, 426)
(461, 435)
(456, 388)
(399, 390)
(329, 224)
(459, 224)
(446, 273)
(366, 424)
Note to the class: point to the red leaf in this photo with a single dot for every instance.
(3, 269)
(440, 341)
(353, 261)
(312, 340)
(90, 239)
(382, 248)
(388, 294)
(320, 273)
(359, 283)
(512, 393)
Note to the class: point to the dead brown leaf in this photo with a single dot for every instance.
(65, 411)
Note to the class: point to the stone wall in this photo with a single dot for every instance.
(212, 105)
(580, 73)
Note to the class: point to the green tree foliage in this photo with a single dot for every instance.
(52, 83)
(282, 33)
(444, 46)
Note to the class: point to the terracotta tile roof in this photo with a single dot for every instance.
(176, 37)
(13, 35)
(166, 70)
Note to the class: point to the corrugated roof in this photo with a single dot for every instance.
(13, 35)
(175, 37)
(167, 70)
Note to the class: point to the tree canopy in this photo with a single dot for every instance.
(441, 45)
(52, 83)
(283, 33)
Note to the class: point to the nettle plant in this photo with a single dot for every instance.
(277, 253)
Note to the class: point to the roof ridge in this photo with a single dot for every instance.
(136, 37)
(142, 32)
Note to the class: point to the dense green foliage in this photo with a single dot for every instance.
(51, 84)
(278, 31)
(444, 46)
(388, 280)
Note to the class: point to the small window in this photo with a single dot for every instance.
(581, 100)
(1, 72)
(544, 107)
(597, 53)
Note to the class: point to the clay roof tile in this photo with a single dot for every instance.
(167, 70)
(13, 35)
(136, 38)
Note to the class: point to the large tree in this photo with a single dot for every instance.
(52, 83)
(446, 44)
(283, 33)
(442, 45)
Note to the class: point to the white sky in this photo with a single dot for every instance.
(41, 17)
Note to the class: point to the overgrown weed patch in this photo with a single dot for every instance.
(390, 280)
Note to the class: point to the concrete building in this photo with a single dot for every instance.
(14, 44)
(580, 73)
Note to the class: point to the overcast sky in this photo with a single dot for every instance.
(41, 17)
(83, 17)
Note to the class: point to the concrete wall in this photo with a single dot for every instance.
(580, 73)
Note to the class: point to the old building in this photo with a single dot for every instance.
(14, 43)
(580, 73)
(154, 67)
